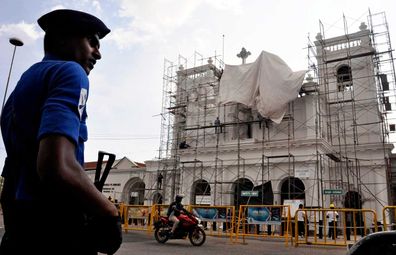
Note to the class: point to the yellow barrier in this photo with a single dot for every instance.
(270, 221)
(391, 217)
(222, 218)
(157, 210)
(349, 222)
(120, 207)
(136, 217)
(253, 218)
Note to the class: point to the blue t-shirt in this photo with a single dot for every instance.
(49, 98)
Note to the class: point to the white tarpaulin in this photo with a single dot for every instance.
(267, 85)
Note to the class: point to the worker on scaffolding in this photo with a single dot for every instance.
(184, 145)
(159, 180)
(260, 119)
(217, 124)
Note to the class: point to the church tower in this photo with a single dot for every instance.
(354, 76)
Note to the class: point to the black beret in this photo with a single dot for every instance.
(71, 21)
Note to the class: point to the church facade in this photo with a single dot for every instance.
(330, 145)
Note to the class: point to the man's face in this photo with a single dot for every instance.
(83, 50)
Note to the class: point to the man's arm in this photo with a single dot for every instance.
(58, 167)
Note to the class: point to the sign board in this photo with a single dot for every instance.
(203, 200)
(206, 214)
(249, 193)
(258, 215)
(293, 203)
(302, 173)
(332, 192)
(212, 213)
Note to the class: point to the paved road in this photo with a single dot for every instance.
(138, 242)
(141, 243)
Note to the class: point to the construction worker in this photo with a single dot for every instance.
(332, 217)
(301, 221)
(217, 123)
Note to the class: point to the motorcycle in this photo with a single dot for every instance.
(189, 225)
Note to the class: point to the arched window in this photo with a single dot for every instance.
(344, 78)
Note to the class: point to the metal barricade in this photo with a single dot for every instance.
(348, 227)
(137, 217)
(264, 221)
(120, 208)
(220, 220)
(157, 210)
(389, 217)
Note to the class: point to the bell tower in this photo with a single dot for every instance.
(355, 75)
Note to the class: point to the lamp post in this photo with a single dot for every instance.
(16, 42)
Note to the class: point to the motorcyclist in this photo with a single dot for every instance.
(174, 210)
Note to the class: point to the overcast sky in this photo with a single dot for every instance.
(126, 84)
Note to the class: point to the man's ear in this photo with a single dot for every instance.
(55, 43)
(64, 47)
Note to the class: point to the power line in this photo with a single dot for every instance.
(110, 138)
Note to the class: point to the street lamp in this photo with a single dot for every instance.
(16, 42)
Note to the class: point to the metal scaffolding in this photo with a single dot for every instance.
(325, 138)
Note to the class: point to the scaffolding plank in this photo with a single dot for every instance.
(333, 157)
(350, 57)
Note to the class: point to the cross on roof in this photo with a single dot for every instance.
(243, 55)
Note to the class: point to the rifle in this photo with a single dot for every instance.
(100, 178)
(100, 181)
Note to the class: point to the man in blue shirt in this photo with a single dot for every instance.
(50, 205)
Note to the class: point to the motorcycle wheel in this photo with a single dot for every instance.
(161, 234)
(197, 237)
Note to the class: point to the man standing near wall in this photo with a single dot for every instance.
(301, 219)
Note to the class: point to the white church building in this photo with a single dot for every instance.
(259, 133)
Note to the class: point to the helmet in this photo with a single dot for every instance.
(331, 205)
(179, 197)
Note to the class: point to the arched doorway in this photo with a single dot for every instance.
(353, 200)
(201, 193)
(133, 192)
(252, 195)
(239, 186)
(265, 194)
(157, 198)
(292, 188)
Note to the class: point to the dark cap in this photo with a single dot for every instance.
(71, 21)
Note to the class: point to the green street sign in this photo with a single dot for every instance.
(249, 193)
(332, 192)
